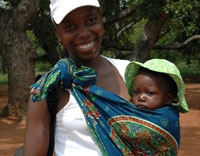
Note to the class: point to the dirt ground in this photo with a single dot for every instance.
(12, 132)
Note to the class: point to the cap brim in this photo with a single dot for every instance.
(63, 8)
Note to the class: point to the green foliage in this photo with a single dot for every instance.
(108, 53)
(189, 70)
(42, 66)
(111, 7)
(13, 3)
(3, 79)
(184, 15)
(132, 34)
(183, 22)
(42, 28)
(32, 38)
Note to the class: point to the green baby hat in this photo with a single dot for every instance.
(161, 66)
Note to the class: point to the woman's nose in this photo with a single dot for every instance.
(83, 33)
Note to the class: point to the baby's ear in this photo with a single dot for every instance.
(170, 98)
(176, 100)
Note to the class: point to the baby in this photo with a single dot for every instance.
(153, 90)
(155, 84)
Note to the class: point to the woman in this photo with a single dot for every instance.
(94, 115)
(79, 27)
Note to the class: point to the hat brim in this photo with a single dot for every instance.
(63, 7)
(132, 70)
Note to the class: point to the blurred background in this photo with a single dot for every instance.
(134, 30)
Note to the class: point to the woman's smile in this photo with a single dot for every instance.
(85, 46)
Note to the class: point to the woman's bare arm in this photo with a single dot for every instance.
(37, 129)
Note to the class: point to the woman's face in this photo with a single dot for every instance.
(81, 33)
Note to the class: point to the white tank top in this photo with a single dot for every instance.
(72, 136)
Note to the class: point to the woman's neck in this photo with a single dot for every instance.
(95, 63)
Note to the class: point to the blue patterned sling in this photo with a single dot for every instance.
(118, 127)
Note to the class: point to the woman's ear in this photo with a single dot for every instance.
(57, 33)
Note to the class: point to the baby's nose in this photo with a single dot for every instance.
(142, 97)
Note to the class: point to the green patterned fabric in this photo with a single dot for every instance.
(118, 127)
(161, 66)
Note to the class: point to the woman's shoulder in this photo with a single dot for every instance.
(117, 61)
(119, 64)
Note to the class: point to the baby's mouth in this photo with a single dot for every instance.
(141, 105)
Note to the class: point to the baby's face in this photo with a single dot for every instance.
(148, 92)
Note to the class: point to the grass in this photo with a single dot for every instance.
(3, 79)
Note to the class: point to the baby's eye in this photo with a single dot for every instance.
(150, 92)
(135, 91)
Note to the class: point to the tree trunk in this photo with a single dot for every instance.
(18, 54)
(147, 40)
(20, 64)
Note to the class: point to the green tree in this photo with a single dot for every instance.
(134, 28)
(166, 25)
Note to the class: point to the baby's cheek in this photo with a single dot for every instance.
(134, 100)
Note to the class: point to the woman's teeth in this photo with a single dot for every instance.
(86, 46)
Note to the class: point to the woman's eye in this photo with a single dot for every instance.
(69, 27)
(91, 21)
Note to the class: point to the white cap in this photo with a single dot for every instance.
(60, 8)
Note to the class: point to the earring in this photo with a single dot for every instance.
(59, 43)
